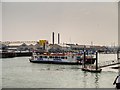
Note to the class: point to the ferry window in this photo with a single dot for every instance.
(65, 57)
(56, 57)
(40, 56)
(62, 57)
(50, 56)
(45, 56)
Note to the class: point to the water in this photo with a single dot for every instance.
(18, 72)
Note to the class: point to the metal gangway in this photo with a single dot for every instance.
(108, 63)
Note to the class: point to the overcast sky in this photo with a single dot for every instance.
(77, 22)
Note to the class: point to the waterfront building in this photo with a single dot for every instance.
(3, 46)
(31, 47)
(55, 48)
(37, 46)
(23, 47)
(65, 47)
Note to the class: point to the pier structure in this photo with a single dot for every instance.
(110, 62)
(98, 66)
(118, 54)
(91, 68)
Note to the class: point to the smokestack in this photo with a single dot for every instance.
(44, 46)
(53, 37)
(58, 38)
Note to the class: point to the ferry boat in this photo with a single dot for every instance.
(61, 58)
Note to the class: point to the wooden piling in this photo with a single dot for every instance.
(118, 59)
(118, 55)
(84, 57)
(96, 60)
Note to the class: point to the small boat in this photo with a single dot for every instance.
(117, 67)
(91, 70)
(59, 58)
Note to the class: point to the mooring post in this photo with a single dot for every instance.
(96, 60)
(118, 55)
(118, 59)
(84, 57)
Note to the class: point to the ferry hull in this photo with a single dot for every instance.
(63, 63)
(55, 62)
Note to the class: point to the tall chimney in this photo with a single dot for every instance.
(58, 38)
(53, 37)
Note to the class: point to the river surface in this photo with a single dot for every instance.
(18, 72)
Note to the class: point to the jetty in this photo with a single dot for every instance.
(98, 67)
(11, 54)
(110, 62)
(91, 68)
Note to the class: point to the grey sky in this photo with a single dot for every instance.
(76, 22)
(0, 21)
(60, 0)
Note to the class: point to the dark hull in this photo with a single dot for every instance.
(14, 54)
(22, 54)
(53, 62)
(7, 55)
(92, 70)
(63, 63)
(115, 67)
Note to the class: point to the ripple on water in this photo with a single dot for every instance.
(19, 72)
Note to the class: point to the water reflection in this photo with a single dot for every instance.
(84, 79)
(92, 79)
(18, 72)
(97, 80)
